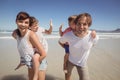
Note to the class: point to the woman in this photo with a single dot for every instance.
(26, 42)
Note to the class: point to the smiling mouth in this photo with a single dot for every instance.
(22, 27)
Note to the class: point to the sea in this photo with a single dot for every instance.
(55, 35)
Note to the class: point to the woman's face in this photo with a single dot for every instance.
(23, 24)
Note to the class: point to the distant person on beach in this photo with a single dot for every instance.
(27, 41)
(80, 43)
(71, 27)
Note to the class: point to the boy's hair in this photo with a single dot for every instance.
(81, 16)
(33, 20)
(72, 18)
(21, 16)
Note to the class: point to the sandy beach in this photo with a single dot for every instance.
(103, 62)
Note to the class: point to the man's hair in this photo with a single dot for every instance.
(83, 15)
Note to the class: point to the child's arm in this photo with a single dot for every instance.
(60, 30)
(93, 34)
(49, 31)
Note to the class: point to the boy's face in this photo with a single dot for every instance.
(82, 25)
(34, 27)
(23, 24)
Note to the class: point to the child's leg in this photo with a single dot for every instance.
(66, 46)
(65, 61)
(36, 65)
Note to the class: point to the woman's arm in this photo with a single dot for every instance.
(14, 34)
(36, 43)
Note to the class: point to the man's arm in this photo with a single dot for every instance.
(95, 37)
(93, 34)
(63, 40)
(61, 44)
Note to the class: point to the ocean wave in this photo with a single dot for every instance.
(57, 37)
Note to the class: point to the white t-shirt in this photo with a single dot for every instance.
(79, 47)
(39, 33)
(25, 48)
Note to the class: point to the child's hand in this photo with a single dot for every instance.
(61, 27)
(51, 23)
(60, 30)
(93, 34)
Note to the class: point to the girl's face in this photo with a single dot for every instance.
(34, 27)
(23, 24)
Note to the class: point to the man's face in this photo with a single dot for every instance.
(82, 25)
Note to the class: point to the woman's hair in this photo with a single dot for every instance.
(83, 15)
(21, 16)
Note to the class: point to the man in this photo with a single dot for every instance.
(80, 42)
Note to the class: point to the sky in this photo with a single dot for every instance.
(105, 13)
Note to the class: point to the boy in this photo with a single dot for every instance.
(66, 46)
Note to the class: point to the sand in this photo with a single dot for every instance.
(103, 61)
